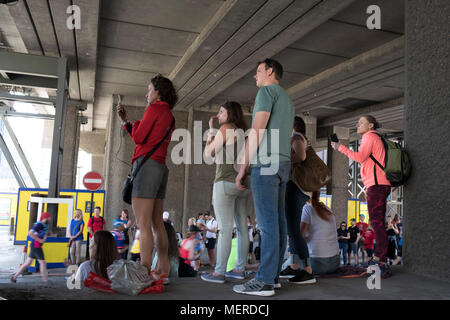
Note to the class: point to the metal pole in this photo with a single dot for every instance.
(90, 216)
(11, 162)
(58, 139)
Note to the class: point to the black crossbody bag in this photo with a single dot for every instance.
(128, 185)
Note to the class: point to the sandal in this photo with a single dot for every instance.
(12, 279)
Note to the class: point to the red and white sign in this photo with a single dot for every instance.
(93, 181)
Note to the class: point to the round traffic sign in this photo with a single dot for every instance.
(92, 181)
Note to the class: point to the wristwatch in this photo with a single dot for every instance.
(123, 122)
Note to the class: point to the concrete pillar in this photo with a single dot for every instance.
(70, 154)
(338, 186)
(427, 114)
(199, 178)
(311, 128)
(97, 163)
(118, 162)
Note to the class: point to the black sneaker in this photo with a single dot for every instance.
(303, 277)
(255, 287)
(288, 272)
(277, 283)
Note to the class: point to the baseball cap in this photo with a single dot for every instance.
(45, 215)
(166, 215)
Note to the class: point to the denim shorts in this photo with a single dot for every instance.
(352, 247)
(151, 179)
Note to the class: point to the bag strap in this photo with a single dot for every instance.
(376, 162)
(148, 155)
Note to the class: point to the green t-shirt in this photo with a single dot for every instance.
(274, 99)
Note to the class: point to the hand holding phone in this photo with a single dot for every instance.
(334, 138)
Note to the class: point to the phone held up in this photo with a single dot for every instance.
(333, 138)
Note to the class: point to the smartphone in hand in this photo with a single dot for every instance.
(334, 138)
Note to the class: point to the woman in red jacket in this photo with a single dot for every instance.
(149, 186)
(377, 185)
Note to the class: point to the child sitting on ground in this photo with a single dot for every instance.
(172, 252)
(119, 237)
(188, 253)
(104, 253)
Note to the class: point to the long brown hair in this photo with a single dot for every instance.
(235, 115)
(105, 252)
(172, 240)
(322, 210)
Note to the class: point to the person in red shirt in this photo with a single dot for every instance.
(149, 185)
(362, 226)
(369, 237)
(95, 224)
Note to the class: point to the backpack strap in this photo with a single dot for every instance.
(376, 162)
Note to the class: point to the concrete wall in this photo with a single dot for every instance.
(427, 136)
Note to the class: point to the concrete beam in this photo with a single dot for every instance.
(66, 44)
(28, 64)
(396, 104)
(26, 27)
(86, 46)
(230, 27)
(43, 22)
(294, 22)
(29, 81)
(385, 59)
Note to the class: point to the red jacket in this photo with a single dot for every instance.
(149, 131)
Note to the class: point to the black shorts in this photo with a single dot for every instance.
(369, 252)
(210, 243)
(250, 247)
(36, 253)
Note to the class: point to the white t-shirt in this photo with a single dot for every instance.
(321, 236)
(84, 269)
(211, 224)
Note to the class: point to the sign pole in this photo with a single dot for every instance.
(90, 216)
(92, 181)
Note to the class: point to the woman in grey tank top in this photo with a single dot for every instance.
(229, 202)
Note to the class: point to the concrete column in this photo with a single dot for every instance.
(97, 163)
(71, 144)
(118, 162)
(338, 186)
(427, 114)
(311, 128)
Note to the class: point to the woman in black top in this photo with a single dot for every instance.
(343, 236)
(392, 232)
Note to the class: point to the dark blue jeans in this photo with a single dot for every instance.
(343, 247)
(269, 193)
(295, 200)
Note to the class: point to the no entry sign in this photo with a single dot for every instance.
(93, 181)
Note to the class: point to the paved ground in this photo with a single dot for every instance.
(400, 286)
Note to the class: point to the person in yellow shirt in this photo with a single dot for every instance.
(136, 247)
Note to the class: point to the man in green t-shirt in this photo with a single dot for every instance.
(268, 151)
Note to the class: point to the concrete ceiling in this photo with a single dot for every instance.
(333, 65)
